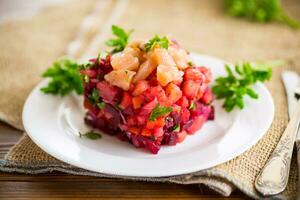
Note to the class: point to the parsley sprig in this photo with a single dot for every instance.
(260, 11)
(162, 42)
(238, 83)
(65, 78)
(90, 135)
(121, 39)
(159, 111)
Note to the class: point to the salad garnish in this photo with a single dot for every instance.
(65, 78)
(260, 11)
(238, 83)
(90, 135)
(159, 111)
(162, 42)
(121, 39)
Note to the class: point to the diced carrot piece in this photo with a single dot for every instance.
(126, 100)
(134, 130)
(137, 102)
(146, 132)
(173, 93)
(159, 122)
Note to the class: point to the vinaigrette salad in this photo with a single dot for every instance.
(147, 93)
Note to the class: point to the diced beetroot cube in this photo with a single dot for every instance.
(156, 92)
(183, 102)
(211, 115)
(158, 132)
(190, 88)
(196, 125)
(194, 74)
(170, 138)
(207, 74)
(140, 87)
(89, 72)
(181, 136)
(147, 109)
(107, 92)
(207, 96)
(185, 115)
(201, 109)
(141, 120)
(152, 146)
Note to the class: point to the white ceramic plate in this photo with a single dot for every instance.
(53, 123)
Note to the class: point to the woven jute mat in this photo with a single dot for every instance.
(28, 47)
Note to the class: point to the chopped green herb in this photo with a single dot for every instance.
(101, 105)
(86, 78)
(260, 11)
(176, 128)
(117, 106)
(190, 63)
(159, 111)
(156, 40)
(65, 78)
(94, 97)
(238, 83)
(121, 39)
(90, 135)
(192, 106)
(102, 55)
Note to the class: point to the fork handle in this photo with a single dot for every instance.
(273, 178)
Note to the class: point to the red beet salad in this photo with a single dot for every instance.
(147, 95)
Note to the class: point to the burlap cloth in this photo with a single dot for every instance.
(28, 47)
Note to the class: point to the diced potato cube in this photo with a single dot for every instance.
(124, 61)
(120, 78)
(145, 70)
(162, 57)
(136, 52)
(166, 74)
(180, 57)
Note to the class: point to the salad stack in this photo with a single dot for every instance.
(147, 93)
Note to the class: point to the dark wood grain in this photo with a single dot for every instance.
(63, 186)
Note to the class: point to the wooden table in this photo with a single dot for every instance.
(63, 186)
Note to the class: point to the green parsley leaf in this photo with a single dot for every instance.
(117, 106)
(121, 39)
(162, 42)
(65, 78)
(260, 11)
(238, 83)
(101, 105)
(102, 55)
(86, 78)
(159, 111)
(94, 96)
(192, 106)
(176, 128)
(190, 63)
(90, 135)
